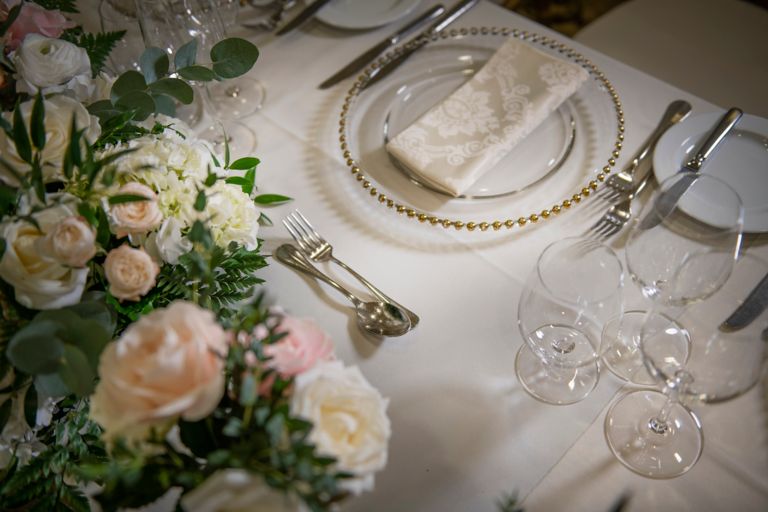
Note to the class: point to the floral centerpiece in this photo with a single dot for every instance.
(137, 357)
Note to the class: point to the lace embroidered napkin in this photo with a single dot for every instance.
(455, 142)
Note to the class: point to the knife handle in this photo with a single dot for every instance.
(725, 125)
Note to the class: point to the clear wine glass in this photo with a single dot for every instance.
(169, 24)
(681, 261)
(574, 289)
(115, 15)
(655, 434)
(675, 256)
(242, 96)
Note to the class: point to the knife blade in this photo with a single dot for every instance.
(689, 172)
(446, 19)
(366, 57)
(303, 16)
(751, 308)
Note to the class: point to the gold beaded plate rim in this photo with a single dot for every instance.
(425, 217)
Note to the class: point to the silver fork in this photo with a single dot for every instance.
(316, 248)
(612, 221)
(623, 183)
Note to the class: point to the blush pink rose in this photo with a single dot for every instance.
(168, 364)
(304, 346)
(33, 19)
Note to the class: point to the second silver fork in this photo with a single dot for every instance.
(316, 248)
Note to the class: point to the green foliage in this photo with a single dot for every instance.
(509, 503)
(61, 5)
(65, 342)
(98, 46)
(49, 481)
(8, 21)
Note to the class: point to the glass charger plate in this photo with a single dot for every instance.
(563, 161)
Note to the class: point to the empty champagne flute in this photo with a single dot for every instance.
(574, 289)
(675, 256)
(654, 433)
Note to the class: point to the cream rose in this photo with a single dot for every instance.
(130, 272)
(50, 64)
(72, 242)
(237, 490)
(39, 282)
(349, 417)
(168, 364)
(59, 111)
(135, 217)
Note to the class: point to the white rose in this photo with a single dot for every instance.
(72, 242)
(59, 111)
(349, 417)
(167, 243)
(49, 64)
(39, 282)
(135, 217)
(232, 216)
(237, 490)
(130, 272)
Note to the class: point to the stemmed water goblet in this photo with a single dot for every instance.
(574, 289)
(681, 259)
(169, 24)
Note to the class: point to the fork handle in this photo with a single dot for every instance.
(378, 293)
(291, 256)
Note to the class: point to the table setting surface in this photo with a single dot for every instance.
(464, 431)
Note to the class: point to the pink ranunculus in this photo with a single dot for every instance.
(304, 346)
(33, 19)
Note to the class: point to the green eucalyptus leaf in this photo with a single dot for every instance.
(265, 199)
(76, 372)
(154, 64)
(197, 73)
(248, 390)
(233, 57)
(50, 384)
(186, 55)
(30, 406)
(8, 21)
(245, 163)
(6, 126)
(5, 412)
(37, 122)
(104, 110)
(36, 348)
(197, 436)
(87, 212)
(129, 82)
(164, 105)
(3, 247)
(174, 87)
(139, 101)
(20, 136)
(97, 311)
(200, 234)
(7, 198)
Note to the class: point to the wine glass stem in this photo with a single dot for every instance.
(659, 424)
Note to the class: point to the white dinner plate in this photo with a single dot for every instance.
(364, 14)
(741, 161)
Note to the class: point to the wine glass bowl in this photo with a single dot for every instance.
(574, 289)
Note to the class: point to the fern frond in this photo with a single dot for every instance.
(97, 45)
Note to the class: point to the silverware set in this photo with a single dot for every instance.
(381, 317)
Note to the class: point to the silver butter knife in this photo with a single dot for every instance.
(366, 57)
(751, 308)
(446, 19)
(666, 202)
(303, 16)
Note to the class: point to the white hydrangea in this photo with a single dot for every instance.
(233, 217)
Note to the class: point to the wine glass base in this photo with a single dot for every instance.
(653, 454)
(238, 97)
(621, 342)
(240, 138)
(557, 386)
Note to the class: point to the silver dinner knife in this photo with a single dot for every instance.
(751, 308)
(303, 16)
(446, 19)
(666, 202)
(366, 57)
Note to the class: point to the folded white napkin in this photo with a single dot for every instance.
(455, 142)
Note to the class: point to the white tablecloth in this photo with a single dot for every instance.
(464, 432)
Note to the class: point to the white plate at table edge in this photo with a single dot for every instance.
(676, 146)
(344, 16)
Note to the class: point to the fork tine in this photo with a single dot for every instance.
(310, 235)
(291, 227)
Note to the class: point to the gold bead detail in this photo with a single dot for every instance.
(521, 221)
(458, 225)
(533, 218)
(400, 208)
(585, 192)
(497, 225)
(567, 203)
(509, 223)
(471, 226)
(593, 185)
(484, 226)
(545, 214)
(556, 209)
(601, 177)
